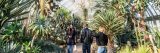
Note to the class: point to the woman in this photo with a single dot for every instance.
(70, 38)
(101, 40)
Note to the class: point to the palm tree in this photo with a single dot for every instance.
(40, 27)
(121, 7)
(84, 11)
(60, 22)
(113, 24)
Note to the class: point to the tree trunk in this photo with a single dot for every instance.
(85, 12)
(110, 45)
(42, 6)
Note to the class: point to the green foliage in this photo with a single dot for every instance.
(113, 24)
(108, 19)
(126, 49)
(16, 47)
(76, 21)
(60, 22)
(12, 31)
(10, 47)
(156, 32)
(142, 49)
(40, 27)
(27, 49)
(12, 38)
(48, 46)
(111, 16)
(9, 10)
(139, 49)
(63, 14)
(11, 43)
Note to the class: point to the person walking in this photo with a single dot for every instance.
(70, 35)
(101, 40)
(86, 39)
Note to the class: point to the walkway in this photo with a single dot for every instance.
(79, 48)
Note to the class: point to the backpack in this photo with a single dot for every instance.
(87, 37)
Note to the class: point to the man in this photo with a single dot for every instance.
(101, 40)
(86, 39)
(70, 38)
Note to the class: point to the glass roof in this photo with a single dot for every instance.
(74, 6)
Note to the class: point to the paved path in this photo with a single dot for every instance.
(79, 48)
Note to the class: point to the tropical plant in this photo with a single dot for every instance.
(76, 21)
(48, 46)
(84, 11)
(12, 31)
(9, 10)
(27, 49)
(9, 47)
(142, 49)
(126, 49)
(157, 38)
(12, 47)
(40, 27)
(113, 24)
(60, 22)
(13, 38)
(62, 14)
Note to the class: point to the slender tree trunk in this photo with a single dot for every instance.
(110, 45)
(85, 13)
(42, 6)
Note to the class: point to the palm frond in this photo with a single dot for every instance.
(110, 21)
